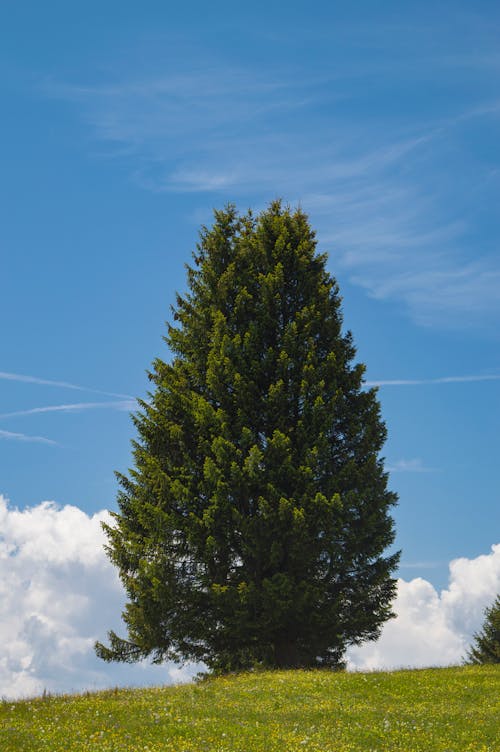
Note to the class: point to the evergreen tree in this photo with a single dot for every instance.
(486, 647)
(252, 528)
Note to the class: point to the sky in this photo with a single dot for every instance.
(123, 126)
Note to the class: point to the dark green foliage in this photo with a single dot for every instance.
(252, 529)
(486, 647)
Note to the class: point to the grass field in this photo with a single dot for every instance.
(442, 710)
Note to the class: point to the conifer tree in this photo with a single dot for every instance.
(486, 646)
(252, 527)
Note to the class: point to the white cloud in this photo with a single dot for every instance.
(400, 200)
(59, 593)
(453, 287)
(380, 197)
(431, 628)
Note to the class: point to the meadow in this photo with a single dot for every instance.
(431, 710)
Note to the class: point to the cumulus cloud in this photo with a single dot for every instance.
(59, 593)
(431, 628)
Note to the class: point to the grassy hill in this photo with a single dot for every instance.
(434, 710)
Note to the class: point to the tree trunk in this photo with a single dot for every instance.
(286, 654)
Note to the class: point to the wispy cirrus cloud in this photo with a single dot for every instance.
(382, 190)
(215, 127)
(401, 245)
(12, 436)
(443, 291)
(170, 94)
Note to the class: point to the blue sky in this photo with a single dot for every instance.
(125, 124)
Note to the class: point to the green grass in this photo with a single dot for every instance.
(433, 710)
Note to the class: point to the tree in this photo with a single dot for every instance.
(486, 647)
(252, 528)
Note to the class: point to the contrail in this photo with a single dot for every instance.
(442, 380)
(24, 437)
(129, 404)
(51, 382)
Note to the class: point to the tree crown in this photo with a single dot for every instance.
(486, 645)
